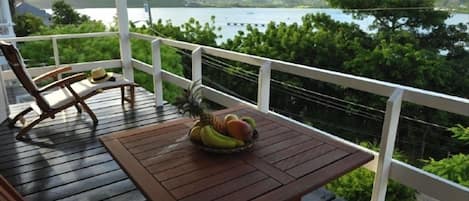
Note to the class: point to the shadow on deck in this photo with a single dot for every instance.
(65, 160)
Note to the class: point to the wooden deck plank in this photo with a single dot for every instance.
(58, 169)
(66, 178)
(44, 135)
(65, 160)
(62, 129)
(81, 186)
(75, 135)
(104, 192)
(133, 195)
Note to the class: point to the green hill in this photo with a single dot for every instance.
(109, 3)
(460, 5)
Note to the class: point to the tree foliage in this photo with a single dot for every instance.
(358, 184)
(27, 24)
(391, 15)
(455, 167)
(64, 14)
(460, 133)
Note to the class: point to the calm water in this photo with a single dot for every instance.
(227, 17)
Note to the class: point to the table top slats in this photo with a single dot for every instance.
(304, 156)
(211, 181)
(305, 184)
(281, 145)
(155, 168)
(280, 137)
(155, 137)
(291, 151)
(160, 158)
(185, 168)
(317, 163)
(228, 187)
(162, 150)
(199, 174)
(268, 169)
(279, 167)
(162, 141)
(252, 191)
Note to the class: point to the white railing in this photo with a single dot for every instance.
(76, 67)
(383, 164)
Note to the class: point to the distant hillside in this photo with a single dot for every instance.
(109, 3)
(460, 5)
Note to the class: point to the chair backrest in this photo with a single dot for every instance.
(15, 60)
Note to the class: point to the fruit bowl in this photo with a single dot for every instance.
(247, 146)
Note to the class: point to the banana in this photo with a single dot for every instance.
(238, 142)
(195, 133)
(212, 138)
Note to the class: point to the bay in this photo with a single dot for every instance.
(232, 20)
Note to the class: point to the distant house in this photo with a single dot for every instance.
(21, 8)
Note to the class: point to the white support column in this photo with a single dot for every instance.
(124, 36)
(5, 13)
(263, 88)
(197, 64)
(55, 48)
(157, 79)
(388, 139)
(4, 109)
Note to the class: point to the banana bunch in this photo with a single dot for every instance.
(212, 138)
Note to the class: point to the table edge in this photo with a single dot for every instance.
(152, 189)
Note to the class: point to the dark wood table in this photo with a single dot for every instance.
(287, 161)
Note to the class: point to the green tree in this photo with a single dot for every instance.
(391, 15)
(65, 14)
(27, 24)
(358, 184)
(455, 167)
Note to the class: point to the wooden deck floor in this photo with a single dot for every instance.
(65, 160)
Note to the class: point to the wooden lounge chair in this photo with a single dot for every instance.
(58, 95)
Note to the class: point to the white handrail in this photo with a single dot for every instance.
(385, 165)
(60, 36)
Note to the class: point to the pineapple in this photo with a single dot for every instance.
(191, 102)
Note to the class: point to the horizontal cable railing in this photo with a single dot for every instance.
(383, 164)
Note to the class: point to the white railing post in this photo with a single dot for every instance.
(388, 139)
(157, 79)
(124, 38)
(263, 88)
(55, 48)
(197, 64)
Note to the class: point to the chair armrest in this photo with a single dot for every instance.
(63, 82)
(52, 73)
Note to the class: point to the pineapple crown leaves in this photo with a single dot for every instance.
(191, 101)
